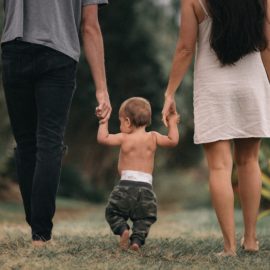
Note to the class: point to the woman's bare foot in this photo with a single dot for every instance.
(224, 253)
(135, 247)
(124, 240)
(250, 246)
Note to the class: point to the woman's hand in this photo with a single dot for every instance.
(169, 107)
(183, 55)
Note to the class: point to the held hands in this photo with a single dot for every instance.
(173, 118)
(169, 108)
(104, 109)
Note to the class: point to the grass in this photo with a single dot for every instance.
(180, 239)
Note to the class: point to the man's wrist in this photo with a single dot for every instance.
(102, 89)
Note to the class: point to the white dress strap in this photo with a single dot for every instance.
(202, 3)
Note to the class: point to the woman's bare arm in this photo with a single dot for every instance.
(185, 46)
(183, 55)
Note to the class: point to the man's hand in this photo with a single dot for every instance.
(104, 109)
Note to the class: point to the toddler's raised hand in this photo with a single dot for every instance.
(173, 118)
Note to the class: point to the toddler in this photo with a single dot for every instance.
(133, 198)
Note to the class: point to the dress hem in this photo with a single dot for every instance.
(229, 138)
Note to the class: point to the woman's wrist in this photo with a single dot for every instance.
(169, 95)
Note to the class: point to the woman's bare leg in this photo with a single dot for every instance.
(249, 180)
(220, 163)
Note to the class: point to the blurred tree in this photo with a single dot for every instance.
(6, 140)
(139, 37)
(186, 154)
(265, 167)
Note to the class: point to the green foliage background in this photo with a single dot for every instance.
(139, 38)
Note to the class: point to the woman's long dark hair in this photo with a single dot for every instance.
(237, 29)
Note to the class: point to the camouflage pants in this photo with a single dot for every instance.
(135, 201)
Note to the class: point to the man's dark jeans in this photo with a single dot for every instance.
(39, 83)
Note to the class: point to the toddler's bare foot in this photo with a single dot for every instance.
(135, 247)
(250, 246)
(124, 240)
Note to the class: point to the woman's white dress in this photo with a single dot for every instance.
(229, 101)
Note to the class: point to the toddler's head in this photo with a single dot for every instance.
(137, 111)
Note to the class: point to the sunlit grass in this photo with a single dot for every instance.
(82, 240)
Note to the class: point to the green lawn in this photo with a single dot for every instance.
(82, 240)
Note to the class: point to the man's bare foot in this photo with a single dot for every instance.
(124, 240)
(135, 247)
(41, 244)
(250, 246)
(38, 243)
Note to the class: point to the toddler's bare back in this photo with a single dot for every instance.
(137, 152)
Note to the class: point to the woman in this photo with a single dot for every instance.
(231, 100)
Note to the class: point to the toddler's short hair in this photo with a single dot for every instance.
(138, 110)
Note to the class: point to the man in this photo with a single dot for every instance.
(40, 51)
